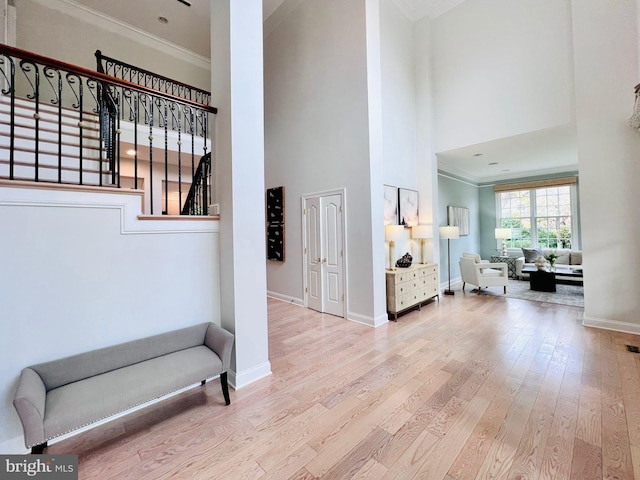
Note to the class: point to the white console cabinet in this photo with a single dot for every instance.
(410, 287)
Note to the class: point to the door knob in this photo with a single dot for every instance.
(318, 260)
(324, 260)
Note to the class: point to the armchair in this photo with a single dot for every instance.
(482, 273)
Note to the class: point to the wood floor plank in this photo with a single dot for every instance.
(468, 388)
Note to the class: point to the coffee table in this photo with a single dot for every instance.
(544, 281)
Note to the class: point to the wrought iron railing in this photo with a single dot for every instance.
(140, 76)
(197, 202)
(66, 124)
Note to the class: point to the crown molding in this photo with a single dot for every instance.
(110, 24)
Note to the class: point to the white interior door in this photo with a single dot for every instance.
(314, 254)
(325, 254)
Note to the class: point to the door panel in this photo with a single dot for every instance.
(332, 248)
(324, 256)
(314, 255)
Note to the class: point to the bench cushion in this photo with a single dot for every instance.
(67, 370)
(107, 394)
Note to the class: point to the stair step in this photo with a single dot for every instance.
(69, 133)
(26, 107)
(48, 174)
(48, 141)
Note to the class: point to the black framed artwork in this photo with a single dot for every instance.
(408, 207)
(275, 224)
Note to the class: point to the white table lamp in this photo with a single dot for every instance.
(421, 232)
(449, 233)
(503, 234)
(393, 233)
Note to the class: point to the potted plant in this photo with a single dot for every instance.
(551, 258)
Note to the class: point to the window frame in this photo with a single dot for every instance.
(533, 218)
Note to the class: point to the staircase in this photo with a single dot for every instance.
(49, 148)
(65, 124)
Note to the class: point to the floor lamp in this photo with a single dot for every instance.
(450, 233)
(421, 232)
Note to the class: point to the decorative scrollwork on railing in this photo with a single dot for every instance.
(74, 79)
(131, 73)
(52, 74)
(8, 84)
(28, 67)
(100, 115)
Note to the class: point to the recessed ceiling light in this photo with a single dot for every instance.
(493, 163)
(131, 152)
(163, 20)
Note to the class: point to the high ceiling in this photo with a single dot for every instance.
(188, 25)
(548, 151)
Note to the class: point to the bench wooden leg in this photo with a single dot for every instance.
(225, 388)
(38, 449)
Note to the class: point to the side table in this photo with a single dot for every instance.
(542, 281)
(510, 261)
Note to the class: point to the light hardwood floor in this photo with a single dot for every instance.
(471, 387)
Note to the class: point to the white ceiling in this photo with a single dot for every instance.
(548, 151)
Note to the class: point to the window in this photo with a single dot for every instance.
(541, 215)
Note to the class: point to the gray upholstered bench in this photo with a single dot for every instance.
(58, 397)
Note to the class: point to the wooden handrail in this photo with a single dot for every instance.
(68, 67)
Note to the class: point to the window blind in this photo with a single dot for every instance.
(551, 182)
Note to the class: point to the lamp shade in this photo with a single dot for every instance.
(503, 233)
(421, 231)
(449, 232)
(393, 233)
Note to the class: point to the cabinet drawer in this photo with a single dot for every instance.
(402, 289)
(428, 270)
(404, 301)
(428, 280)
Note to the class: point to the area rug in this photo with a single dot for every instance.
(566, 294)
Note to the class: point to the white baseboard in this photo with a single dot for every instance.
(613, 325)
(242, 379)
(285, 298)
(13, 446)
(16, 445)
(367, 320)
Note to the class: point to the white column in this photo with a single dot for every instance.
(374, 93)
(237, 92)
(606, 71)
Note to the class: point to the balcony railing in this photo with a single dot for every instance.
(67, 124)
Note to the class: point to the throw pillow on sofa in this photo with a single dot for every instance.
(531, 254)
(576, 258)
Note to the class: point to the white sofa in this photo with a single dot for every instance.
(571, 259)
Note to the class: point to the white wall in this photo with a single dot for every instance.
(501, 68)
(606, 71)
(398, 109)
(80, 272)
(427, 162)
(73, 36)
(317, 137)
